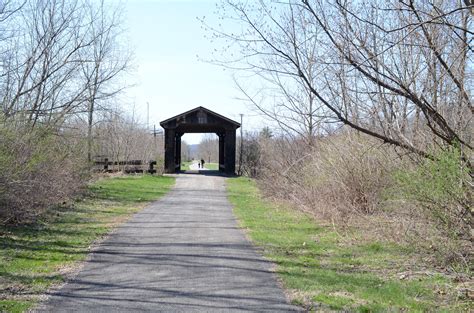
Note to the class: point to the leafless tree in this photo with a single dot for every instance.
(104, 62)
(40, 76)
(60, 55)
(397, 71)
(186, 154)
(59, 61)
(209, 148)
(400, 72)
(121, 137)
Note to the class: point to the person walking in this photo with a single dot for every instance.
(202, 163)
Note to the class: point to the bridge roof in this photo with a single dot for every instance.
(198, 120)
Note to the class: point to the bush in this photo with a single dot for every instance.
(341, 177)
(38, 169)
(442, 188)
(251, 156)
(352, 180)
(350, 173)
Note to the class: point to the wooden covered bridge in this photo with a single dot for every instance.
(200, 120)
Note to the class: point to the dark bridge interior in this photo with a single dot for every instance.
(200, 120)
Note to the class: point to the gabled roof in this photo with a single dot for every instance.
(200, 108)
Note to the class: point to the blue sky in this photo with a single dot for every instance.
(167, 39)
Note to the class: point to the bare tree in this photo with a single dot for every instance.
(104, 62)
(59, 61)
(41, 81)
(121, 137)
(397, 71)
(209, 148)
(185, 151)
(59, 56)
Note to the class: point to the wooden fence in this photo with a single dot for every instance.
(131, 166)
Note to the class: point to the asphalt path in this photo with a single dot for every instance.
(195, 166)
(183, 253)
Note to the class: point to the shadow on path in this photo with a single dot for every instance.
(183, 253)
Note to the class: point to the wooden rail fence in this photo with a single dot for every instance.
(131, 166)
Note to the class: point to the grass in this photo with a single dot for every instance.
(211, 166)
(185, 166)
(35, 257)
(319, 268)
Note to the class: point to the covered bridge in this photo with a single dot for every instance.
(200, 120)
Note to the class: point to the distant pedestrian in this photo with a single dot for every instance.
(202, 163)
(199, 164)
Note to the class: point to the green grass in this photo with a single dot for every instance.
(185, 166)
(318, 267)
(35, 257)
(211, 166)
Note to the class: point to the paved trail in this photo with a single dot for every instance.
(182, 253)
(195, 167)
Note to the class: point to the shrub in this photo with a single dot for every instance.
(341, 177)
(442, 188)
(350, 173)
(38, 169)
(251, 156)
(353, 180)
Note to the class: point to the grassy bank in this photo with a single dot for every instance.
(211, 166)
(185, 166)
(35, 257)
(319, 268)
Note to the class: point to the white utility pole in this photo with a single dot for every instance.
(147, 115)
(241, 143)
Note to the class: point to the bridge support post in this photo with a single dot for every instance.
(178, 153)
(170, 150)
(221, 152)
(229, 152)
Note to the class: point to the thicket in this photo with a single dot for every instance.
(351, 180)
(61, 71)
(442, 189)
(120, 137)
(372, 106)
(38, 168)
(46, 166)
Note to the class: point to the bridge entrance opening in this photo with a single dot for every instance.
(206, 151)
(200, 120)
